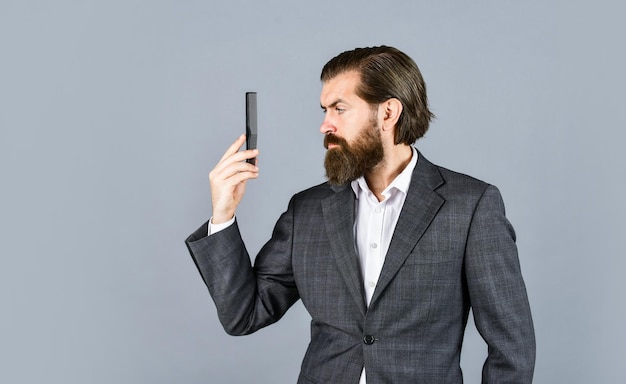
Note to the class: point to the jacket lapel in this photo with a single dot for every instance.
(338, 211)
(420, 207)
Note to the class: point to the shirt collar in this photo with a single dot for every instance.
(400, 183)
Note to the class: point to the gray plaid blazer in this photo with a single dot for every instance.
(452, 249)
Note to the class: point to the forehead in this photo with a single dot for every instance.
(341, 87)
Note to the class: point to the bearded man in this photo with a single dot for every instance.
(388, 256)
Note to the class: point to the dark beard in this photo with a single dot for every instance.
(348, 162)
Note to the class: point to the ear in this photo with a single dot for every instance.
(391, 110)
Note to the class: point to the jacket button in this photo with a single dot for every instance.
(368, 339)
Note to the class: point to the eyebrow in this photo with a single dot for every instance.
(332, 104)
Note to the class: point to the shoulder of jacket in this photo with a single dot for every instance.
(461, 183)
(316, 192)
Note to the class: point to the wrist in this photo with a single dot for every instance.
(221, 218)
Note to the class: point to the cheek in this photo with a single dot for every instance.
(351, 130)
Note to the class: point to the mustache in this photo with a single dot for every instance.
(332, 139)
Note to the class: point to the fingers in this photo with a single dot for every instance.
(235, 164)
(233, 161)
(234, 147)
(232, 171)
(228, 179)
(237, 178)
(233, 154)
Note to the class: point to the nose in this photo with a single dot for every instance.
(327, 127)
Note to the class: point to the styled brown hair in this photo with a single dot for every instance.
(387, 73)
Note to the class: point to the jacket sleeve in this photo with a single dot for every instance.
(498, 294)
(247, 298)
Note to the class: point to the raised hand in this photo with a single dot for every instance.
(228, 180)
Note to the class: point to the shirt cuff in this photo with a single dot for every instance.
(215, 228)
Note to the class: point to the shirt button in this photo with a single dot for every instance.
(369, 339)
(371, 284)
(378, 210)
(374, 245)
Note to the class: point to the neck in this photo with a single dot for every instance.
(397, 157)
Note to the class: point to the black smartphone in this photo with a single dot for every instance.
(251, 123)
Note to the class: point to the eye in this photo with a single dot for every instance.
(340, 110)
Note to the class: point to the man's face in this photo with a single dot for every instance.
(351, 128)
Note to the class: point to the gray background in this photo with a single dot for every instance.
(112, 113)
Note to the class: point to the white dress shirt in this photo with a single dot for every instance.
(374, 223)
(215, 228)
